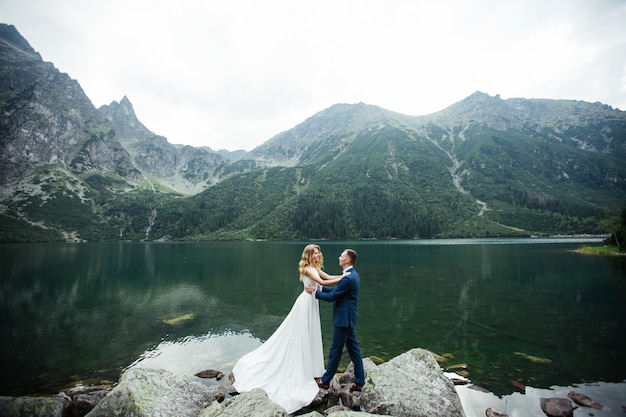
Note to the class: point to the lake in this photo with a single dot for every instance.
(531, 311)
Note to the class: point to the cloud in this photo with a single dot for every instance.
(233, 74)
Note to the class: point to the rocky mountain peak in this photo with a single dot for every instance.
(122, 118)
(489, 110)
(10, 37)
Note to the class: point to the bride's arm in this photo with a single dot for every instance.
(327, 279)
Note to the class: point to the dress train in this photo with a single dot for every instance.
(287, 363)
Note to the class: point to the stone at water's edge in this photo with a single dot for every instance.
(583, 400)
(409, 385)
(251, 403)
(31, 406)
(154, 393)
(557, 407)
(490, 412)
(210, 373)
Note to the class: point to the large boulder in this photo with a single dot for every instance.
(254, 403)
(144, 392)
(32, 406)
(410, 385)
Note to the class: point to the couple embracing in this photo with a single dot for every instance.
(289, 366)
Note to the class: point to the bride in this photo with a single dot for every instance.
(287, 363)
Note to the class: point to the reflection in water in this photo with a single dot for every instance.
(611, 395)
(193, 354)
(85, 312)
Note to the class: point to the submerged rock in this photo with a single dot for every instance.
(173, 321)
(534, 359)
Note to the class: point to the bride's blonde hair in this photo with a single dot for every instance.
(307, 259)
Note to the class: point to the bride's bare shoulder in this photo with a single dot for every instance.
(312, 271)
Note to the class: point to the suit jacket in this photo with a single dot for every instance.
(345, 297)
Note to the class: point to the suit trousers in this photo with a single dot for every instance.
(345, 336)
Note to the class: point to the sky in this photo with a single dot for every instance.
(231, 74)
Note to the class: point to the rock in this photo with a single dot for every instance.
(217, 393)
(479, 388)
(583, 400)
(456, 378)
(229, 385)
(210, 373)
(490, 412)
(411, 384)
(144, 392)
(253, 403)
(348, 376)
(337, 410)
(84, 399)
(534, 359)
(343, 413)
(519, 385)
(557, 407)
(84, 403)
(321, 400)
(32, 406)
(340, 387)
(375, 359)
(352, 400)
(439, 358)
(173, 321)
(457, 367)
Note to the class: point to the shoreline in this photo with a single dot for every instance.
(612, 395)
(474, 399)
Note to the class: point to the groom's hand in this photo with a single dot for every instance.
(309, 289)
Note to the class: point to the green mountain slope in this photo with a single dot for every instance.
(394, 181)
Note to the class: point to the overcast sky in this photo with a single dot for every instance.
(231, 74)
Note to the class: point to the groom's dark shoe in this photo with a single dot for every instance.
(356, 387)
(321, 384)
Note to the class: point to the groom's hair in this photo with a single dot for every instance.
(352, 255)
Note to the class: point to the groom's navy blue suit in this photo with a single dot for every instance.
(345, 297)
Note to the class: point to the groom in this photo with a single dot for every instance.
(346, 297)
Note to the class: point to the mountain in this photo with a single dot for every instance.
(481, 167)
(182, 169)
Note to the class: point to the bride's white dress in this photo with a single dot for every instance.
(287, 363)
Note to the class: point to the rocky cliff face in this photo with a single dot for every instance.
(48, 119)
(183, 169)
(594, 127)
